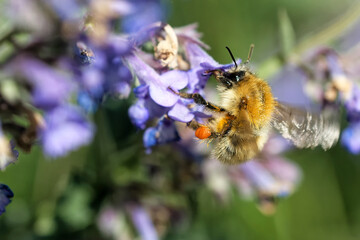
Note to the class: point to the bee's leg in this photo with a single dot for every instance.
(198, 99)
(202, 131)
(193, 124)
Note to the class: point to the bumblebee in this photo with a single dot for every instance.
(248, 111)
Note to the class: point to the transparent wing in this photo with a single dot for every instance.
(306, 129)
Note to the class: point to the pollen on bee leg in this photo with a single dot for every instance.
(203, 132)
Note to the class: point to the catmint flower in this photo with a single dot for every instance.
(180, 112)
(142, 222)
(158, 84)
(104, 73)
(139, 114)
(217, 178)
(330, 80)
(164, 132)
(67, 10)
(145, 13)
(350, 138)
(292, 77)
(87, 102)
(112, 223)
(50, 88)
(66, 129)
(120, 84)
(189, 34)
(268, 177)
(5, 197)
(352, 105)
(201, 66)
(196, 76)
(339, 80)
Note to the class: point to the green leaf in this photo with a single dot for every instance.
(287, 34)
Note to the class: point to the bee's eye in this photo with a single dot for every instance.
(235, 76)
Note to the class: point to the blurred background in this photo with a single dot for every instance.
(82, 195)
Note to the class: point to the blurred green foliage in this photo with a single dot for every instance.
(59, 199)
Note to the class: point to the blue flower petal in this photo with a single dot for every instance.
(180, 112)
(353, 105)
(138, 114)
(5, 195)
(350, 138)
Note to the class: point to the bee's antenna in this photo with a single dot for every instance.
(250, 53)
(232, 57)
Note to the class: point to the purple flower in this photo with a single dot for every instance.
(143, 223)
(288, 86)
(5, 195)
(334, 66)
(66, 130)
(67, 10)
(350, 138)
(111, 222)
(118, 46)
(145, 108)
(268, 179)
(189, 34)
(196, 55)
(217, 178)
(119, 82)
(145, 12)
(164, 132)
(139, 114)
(88, 103)
(50, 88)
(201, 66)
(260, 178)
(105, 73)
(351, 37)
(92, 81)
(179, 112)
(141, 91)
(158, 84)
(352, 105)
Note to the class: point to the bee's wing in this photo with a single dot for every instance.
(306, 129)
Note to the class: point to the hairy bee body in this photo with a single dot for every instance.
(250, 105)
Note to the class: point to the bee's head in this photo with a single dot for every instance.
(231, 77)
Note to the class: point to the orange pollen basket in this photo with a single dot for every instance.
(203, 132)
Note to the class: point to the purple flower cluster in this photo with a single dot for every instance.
(103, 61)
(83, 62)
(180, 63)
(329, 79)
(72, 59)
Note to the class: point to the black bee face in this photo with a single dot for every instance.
(234, 77)
(228, 79)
